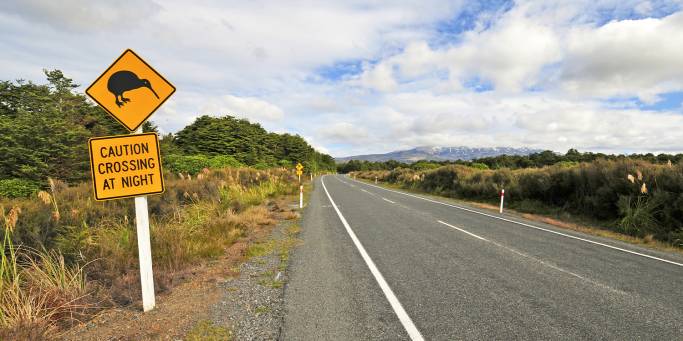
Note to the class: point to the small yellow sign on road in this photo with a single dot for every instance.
(130, 90)
(125, 166)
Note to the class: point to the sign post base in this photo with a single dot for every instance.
(144, 253)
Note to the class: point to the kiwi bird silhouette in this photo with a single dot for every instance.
(124, 80)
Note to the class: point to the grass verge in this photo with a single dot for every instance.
(206, 330)
(76, 256)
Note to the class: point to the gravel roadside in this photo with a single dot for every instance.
(252, 304)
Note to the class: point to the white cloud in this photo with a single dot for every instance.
(640, 58)
(538, 74)
(510, 55)
(379, 77)
(243, 107)
(344, 132)
(75, 15)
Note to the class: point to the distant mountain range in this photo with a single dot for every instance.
(440, 154)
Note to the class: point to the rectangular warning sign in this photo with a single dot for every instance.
(125, 166)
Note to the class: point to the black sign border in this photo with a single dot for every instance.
(109, 112)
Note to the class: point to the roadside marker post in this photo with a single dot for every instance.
(299, 171)
(301, 196)
(502, 197)
(375, 180)
(127, 166)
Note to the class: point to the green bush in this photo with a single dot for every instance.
(224, 161)
(479, 165)
(194, 164)
(638, 215)
(17, 188)
(423, 165)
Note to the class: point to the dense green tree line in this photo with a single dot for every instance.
(45, 129)
(535, 160)
(547, 158)
(248, 143)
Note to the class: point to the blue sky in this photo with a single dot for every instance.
(367, 77)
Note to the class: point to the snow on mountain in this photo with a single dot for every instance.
(438, 153)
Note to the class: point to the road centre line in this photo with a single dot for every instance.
(542, 262)
(391, 297)
(529, 225)
(387, 200)
(463, 231)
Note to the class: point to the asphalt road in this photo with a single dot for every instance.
(447, 273)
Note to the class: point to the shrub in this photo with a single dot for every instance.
(223, 161)
(17, 188)
(479, 165)
(638, 215)
(193, 164)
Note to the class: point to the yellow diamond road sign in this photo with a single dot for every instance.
(130, 90)
(125, 165)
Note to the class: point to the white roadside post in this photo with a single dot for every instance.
(375, 180)
(502, 197)
(144, 250)
(301, 196)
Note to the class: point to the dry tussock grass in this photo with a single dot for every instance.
(197, 218)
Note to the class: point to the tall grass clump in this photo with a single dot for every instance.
(39, 292)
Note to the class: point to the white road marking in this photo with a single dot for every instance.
(529, 225)
(393, 300)
(387, 200)
(365, 191)
(461, 230)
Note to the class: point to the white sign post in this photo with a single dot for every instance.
(144, 250)
(502, 196)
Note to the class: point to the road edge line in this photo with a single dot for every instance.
(402, 315)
